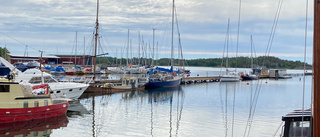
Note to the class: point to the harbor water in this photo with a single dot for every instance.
(212, 109)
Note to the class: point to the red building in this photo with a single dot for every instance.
(75, 59)
(53, 59)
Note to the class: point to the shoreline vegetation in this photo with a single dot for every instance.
(270, 62)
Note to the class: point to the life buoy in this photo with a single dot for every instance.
(42, 86)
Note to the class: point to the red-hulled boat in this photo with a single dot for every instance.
(18, 104)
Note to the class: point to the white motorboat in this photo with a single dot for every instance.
(34, 77)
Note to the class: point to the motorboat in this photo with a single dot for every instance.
(248, 76)
(32, 77)
(18, 104)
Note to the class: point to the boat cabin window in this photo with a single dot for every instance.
(299, 128)
(35, 80)
(36, 104)
(25, 104)
(4, 88)
(35, 133)
(48, 79)
(45, 102)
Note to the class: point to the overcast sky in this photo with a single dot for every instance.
(51, 25)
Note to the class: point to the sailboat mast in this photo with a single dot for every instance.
(139, 49)
(128, 49)
(251, 54)
(153, 47)
(316, 70)
(172, 33)
(84, 50)
(75, 56)
(227, 43)
(96, 42)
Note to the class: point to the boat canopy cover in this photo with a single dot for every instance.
(59, 69)
(163, 69)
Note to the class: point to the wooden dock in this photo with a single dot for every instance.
(188, 80)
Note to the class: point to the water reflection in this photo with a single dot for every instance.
(42, 127)
(77, 109)
(227, 98)
(203, 109)
(165, 95)
(134, 110)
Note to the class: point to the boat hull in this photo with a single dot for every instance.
(67, 89)
(8, 115)
(159, 84)
(229, 79)
(249, 77)
(70, 73)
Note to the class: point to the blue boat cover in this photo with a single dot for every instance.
(60, 69)
(163, 69)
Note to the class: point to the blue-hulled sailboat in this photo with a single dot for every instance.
(162, 77)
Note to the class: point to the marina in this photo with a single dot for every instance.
(193, 79)
(190, 109)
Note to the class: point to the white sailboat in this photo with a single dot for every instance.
(230, 76)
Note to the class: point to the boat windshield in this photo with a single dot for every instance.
(299, 128)
(37, 80)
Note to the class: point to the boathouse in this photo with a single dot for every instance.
(48, 59)
(75, 59)
(277, 73)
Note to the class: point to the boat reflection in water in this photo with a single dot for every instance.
(39, 127)
(77, 109)
(173, 96)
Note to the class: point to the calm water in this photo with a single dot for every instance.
(205, 109)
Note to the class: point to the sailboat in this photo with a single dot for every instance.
(230, 76)
(161, 77)
(306, 122)
(249, 75)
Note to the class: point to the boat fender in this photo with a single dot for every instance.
(9, 76)
(108, 85)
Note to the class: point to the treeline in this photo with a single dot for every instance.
(4, 53)
(240, 62)
(245, 62)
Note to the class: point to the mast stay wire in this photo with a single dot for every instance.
(19, 41)
(254, 102)
(273, 30)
